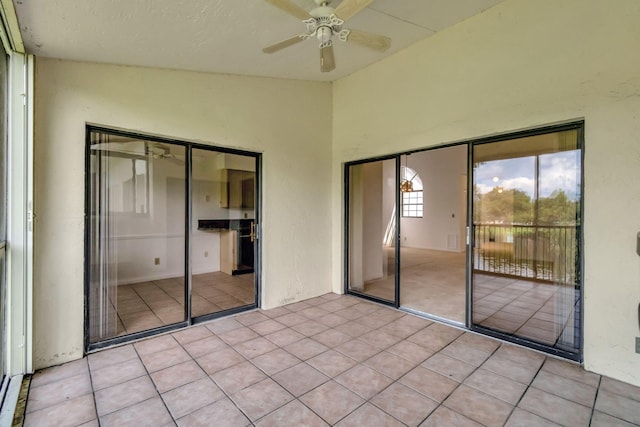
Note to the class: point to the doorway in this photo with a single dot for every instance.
(171, 234)
(485, 235)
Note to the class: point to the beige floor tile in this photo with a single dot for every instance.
(570, 370)
(177, 375)
(190, 397)
(364, 381)
(204, 346)
(151, 412)
(291, 319)
(238, 335)
(358, 350)
(112, 356)
(164, 358)
(276, 312)
(224, 412)
(331, 363)
(238, 377)
(332, 320)
(116, 374)
(404, 404)
(124, 395)
(57, 373)
(255, 347)
(444, 416)
(496, 385)
(431, 384)
(262, 398)
(251, 317)
(510, 369)
(331, 401)
(435, 337)
(449, 367)
(411, 351)
(275, 361)
(390, 365)
(306, 348)
(293, 414)
(380, 339)
(219, 360)
(466, 352)
(154, 345)
(266, 327)
(564, 387)
(522, 418)
(284, 337)
(54, 393)
(521, 355)
(618, 387)
(369, 415)
(555, 408)
(223, 325)
(600, 419)
(71, 412)
(478, 406)
(332, 338)
(402, 328)
(310, 328)
(194, 333)
(618, 406)
(300, 379)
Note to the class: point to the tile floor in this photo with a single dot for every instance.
(433, 282)
(148, 305)
(331, 360)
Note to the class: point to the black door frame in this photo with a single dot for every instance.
(188, 146)
(577, 125)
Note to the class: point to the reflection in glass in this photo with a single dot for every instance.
(223, 239)
(526, 225)
(372, 228)
(136, 235)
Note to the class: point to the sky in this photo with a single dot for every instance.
(558, 171)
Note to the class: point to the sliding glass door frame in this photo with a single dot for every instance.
(577, 125)
(188, 242)
(347, 229)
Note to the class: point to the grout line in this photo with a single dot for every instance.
(595, 399)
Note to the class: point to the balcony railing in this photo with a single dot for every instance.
(539, 252)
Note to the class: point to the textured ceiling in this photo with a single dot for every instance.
(222, 36)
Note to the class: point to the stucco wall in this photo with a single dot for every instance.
(288, 121)
(522, 64)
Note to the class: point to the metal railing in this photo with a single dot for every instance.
(540, 252)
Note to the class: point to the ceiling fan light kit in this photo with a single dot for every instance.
(323, 23)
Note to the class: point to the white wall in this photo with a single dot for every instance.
(521, 64)
(271, 116)
(440, 226)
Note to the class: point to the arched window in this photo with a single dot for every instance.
(412, 201)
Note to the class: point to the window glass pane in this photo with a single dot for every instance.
(372, 228)
(136, 260)
(526, 220)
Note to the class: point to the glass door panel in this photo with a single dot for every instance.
(433, 228)
(372, 229)
(136, 257)
(526, 235)
(223, 237)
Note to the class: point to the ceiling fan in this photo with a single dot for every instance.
(323, 22)
(140, 148)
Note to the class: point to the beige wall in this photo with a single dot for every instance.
(288, 121)
(521, 64)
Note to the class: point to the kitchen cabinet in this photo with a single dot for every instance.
(237, 188)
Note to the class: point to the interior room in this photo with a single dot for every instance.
(347, 111)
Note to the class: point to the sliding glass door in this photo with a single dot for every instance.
(433, 218)
(526, 239)
(372, 235)
(171, 234)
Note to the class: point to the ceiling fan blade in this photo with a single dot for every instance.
(281, 45)
(348, 8)
(290, 8)
(327, 60)
(372, 41)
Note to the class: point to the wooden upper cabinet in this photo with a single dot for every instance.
(237, 189)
